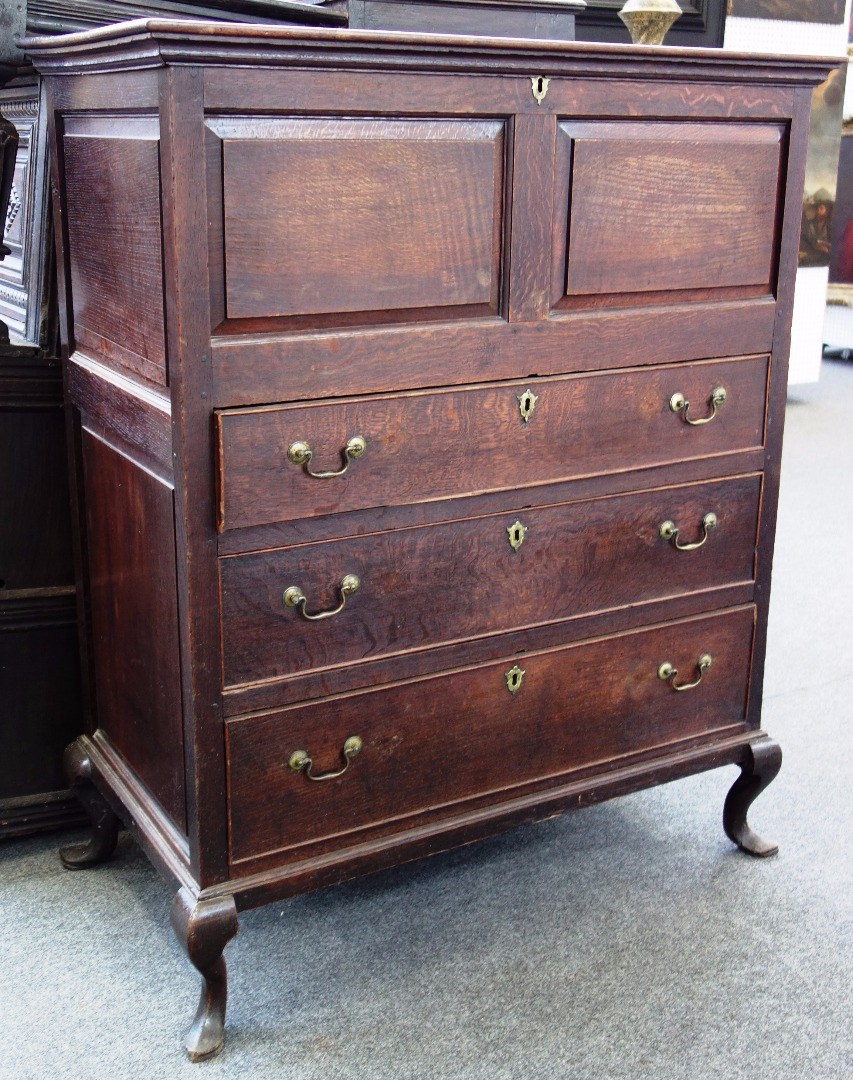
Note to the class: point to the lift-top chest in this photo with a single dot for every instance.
(427, 400)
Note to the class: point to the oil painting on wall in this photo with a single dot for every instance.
(822, 170)
(815, 11)
(841, 263)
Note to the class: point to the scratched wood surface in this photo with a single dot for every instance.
(360, 215)
(432, 445)
(458, 735)
(114, 242)
(456, 580)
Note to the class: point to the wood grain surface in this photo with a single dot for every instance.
(452, 581)
(361, 215)
(131, 571)
(112, 170)
(433, 743)
(463, 442)
(671, 206)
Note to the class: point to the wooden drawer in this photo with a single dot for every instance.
(430, 585)
(441, 740)
(430, 445)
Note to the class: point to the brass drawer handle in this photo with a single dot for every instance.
(668, 530)
(300, 761)
(668, 673)
(295, 597)
(679, 404)
(300, 453)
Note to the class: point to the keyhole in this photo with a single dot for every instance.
(513, 678)
(539, 85)
(525, 407)
(516, 534)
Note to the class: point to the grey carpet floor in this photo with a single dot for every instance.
(627, 940)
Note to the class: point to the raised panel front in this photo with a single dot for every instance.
(115, 248)
(661, 208)
(335, 216)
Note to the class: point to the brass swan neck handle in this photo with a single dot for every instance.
(300, 453)
(294, 597)
(668, 530)
(669, 673)
(679, 404)
(301, 761)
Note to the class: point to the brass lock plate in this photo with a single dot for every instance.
(513, 679)
(516, 534)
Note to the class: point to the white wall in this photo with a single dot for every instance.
(809, 39)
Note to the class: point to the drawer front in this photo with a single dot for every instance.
(439, 741)
(430, 585)
(421, 446)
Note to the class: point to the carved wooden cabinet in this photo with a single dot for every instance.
(429, 398)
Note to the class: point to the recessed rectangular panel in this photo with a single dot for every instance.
(670, 207)
(335, 215)
(115, 249)
(132, 603)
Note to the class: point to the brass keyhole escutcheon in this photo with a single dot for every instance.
(513, 679)
(516, 534)
(540, 87)
(526, 404)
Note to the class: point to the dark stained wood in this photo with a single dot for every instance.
(397, 214)
(432, 445)
(429, 368)
(589, 703)
(377, 519)
(533, 168)
(288, 367)
(760, 769)
(114, 241)
(137, 418)
(450, 582)
(268, 879)
(35, 546)
(131, 555)
(657, 207)
(263, 89)
(204, 928)
(189, 318)
(39, 691)
(104, 823)
(298, 686)
(537, 19)
(778, 389)
(142, 43)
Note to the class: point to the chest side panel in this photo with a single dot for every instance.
(112, 184)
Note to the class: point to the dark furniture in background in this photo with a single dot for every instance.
(39, 670)
(40, 696)
(452, 487)
(702, 23)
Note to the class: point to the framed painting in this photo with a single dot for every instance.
(822, 169)
(813, 11)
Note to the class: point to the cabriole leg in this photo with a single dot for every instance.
(204, 928)
(764, 759)
(105, 824)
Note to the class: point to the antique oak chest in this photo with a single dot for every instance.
(427, 399)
